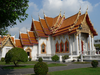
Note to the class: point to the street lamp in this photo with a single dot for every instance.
(80, 28)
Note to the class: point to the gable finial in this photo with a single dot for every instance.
(80, 8)
(60, 11)
(38, 16)
(64, 12)
(87, 8)
(31, 17)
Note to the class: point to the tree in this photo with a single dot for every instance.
(16, 55)
(55, 58)
(12, 10)
(3, 31)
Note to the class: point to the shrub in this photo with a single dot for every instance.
(55, 58)
(16, 55)
(40, 59)
(2, 59)
(94, 63)
(40, 68)
(65, 57)
(29, 59)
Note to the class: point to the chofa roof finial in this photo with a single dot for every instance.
(80, 8)
(87, 8)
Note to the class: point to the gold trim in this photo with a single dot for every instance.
(28, 49)
(44, 48)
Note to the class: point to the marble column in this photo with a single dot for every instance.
(77, 49)
(90, 43)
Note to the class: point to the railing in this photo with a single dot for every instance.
(45, 54)
(93, 52)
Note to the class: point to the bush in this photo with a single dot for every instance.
(40, 59)
(16, 55)
(2, 59)
(40, 68)
(65, 57)
(29, 59)
(94, 63)
(55, 58)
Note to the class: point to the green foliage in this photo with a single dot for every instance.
(40, 59)
(3, 31)
(94, 63)
(16, 55)
(12, 10)
(2, 59)
(97, 45)
(55, 58)
(79, 57)
(40, 68)
(65, 57)
(29, 59)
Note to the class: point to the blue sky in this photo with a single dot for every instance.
(52, 8)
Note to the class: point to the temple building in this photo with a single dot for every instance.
(73, 36)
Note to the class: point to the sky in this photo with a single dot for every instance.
(52, 8)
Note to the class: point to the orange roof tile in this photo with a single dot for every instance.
(24, 39)
(39, 29)
(18, 43)
(49, 21)
(69, 21)
(45, 27)
(32, 37)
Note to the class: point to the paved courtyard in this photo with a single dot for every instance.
(51, 69)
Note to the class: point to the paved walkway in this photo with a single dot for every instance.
(51, 69)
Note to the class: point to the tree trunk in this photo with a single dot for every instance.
(15, 63)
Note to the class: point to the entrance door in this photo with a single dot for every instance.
(82, 46)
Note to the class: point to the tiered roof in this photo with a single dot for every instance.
(50, 26)
(59, 25)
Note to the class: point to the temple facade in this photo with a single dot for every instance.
(73, 36)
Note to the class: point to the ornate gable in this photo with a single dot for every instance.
(8, 42)
(85, 27)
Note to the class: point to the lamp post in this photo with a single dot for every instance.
(80, 28)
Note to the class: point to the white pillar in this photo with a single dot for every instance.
(70, 47)
(80, 42)
(77, 49)
(80, 47)
(60, 58)
(90, 43)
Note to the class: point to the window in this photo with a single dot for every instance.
(57, 47)
(43, 48)
(66, 46)
(61, 47)
(28, 53)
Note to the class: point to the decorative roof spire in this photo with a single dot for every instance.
(44, 13)
(87, 8)
(60, 11)
(80, 8)
(64, 12)
(31, 17)
(38, 16)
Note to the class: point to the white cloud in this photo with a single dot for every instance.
(53, 7)
(96, 4)
(33, 5)
(23, 29)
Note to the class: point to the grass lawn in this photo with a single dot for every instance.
(31, 66)
(80, 71)
(82, 62)
(11, 63)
